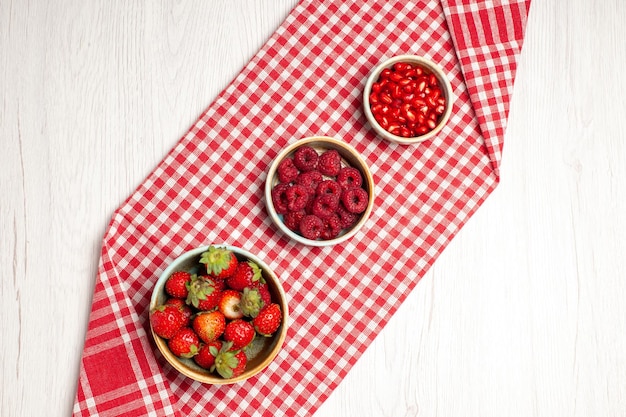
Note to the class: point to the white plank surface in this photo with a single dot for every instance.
(522, 315)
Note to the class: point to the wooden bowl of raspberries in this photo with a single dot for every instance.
(218, 314)
(319, 191)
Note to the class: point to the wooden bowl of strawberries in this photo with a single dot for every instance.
(219, 314)
(319, 191)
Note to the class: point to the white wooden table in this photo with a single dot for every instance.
(524, 314)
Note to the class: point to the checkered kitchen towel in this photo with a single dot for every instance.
(306, 81)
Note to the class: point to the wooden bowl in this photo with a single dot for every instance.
(189, 261)
(350, 157)
(428, 66)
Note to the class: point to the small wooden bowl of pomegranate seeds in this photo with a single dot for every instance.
(407, 99)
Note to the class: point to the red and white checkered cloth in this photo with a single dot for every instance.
(306, 81)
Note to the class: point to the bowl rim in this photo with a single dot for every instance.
(441, 77)
(271, 180)
(204, 377)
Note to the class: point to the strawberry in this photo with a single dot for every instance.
(166, 320)
(239, 332)
(207, 353)
(230, 362)
(183, 307)
(251, 301)
(265, 292)
(176, 284)
(184, 343)
(204, 292)
(229, 304)
(246, 274)
(220, 262)
(268, 320)
(209, 326)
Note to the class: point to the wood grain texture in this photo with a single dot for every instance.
(522, 315)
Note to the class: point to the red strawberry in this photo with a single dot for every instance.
(204, 292)
(207, 353)
(229, 304)
(246, 274)
(268, 320)
(209, 326)
(230, 362)
(166, 320)
(220, 262)
(176, 284)
(265, 292)
(183, 307)
(184, 343)
(240, 332)
(252, 301)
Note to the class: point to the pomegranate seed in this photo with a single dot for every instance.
(422, 130)
(396, 92)
(411, 116)
(385, 98)
(395, 77)
(408, 98)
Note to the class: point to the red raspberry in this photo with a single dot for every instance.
(349, 177)
(305, 158)
(328, 187)
(355, 200)
(347, 218)
(325, 205)
(311, 226)
(279, 197)
(287, 171)
(292, 219)
(310, 179)
(329, 163)
(332, 227)
(297, 197)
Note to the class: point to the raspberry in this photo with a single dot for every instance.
(292, 219)
(311, 226)
(325, 205)
(332, 227)
(355, 200)
(328, 187)
(329, 163)
(279, 197)
(287, 171)
(305, 158)
(297, 197)
(346, 218)
(309, 206)
(349, 177)
(310, 179)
